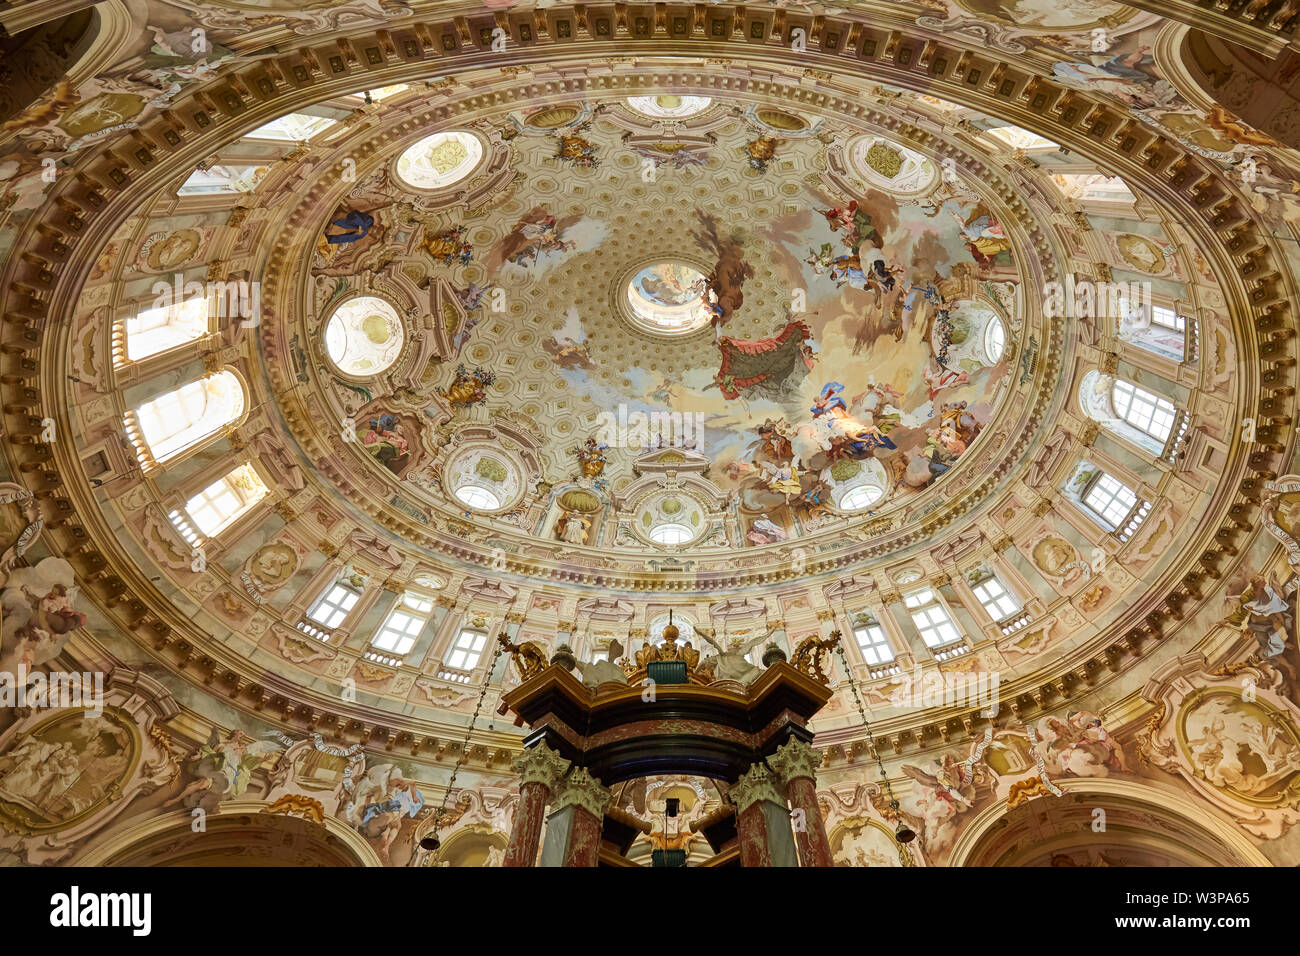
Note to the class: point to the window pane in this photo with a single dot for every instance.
(875, 647)
(931, 619)
(190, 413)
(995, 598)
(223, 501)
(1110, 499)
(467, 650)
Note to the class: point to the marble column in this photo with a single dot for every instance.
(540, 769)
(574, 826)
(762, 820)
(795, 764)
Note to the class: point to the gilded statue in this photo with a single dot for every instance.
(668, 650)
(529, 658)
(808, 656)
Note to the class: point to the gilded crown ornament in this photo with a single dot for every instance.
(668, 650)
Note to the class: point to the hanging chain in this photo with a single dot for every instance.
(904, 854)
(469, 732)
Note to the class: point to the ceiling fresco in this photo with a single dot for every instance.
(761, 321)
(827, 340)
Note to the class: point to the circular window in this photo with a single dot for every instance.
(861, 497)
(364, 336)
(995, 340)
(440, 160)
(668, 105)
(670, 534)
(669, 298)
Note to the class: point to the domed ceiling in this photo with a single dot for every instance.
(767, 316)
(611, 304)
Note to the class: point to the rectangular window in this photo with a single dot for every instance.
(873, 643)
(333, 606)
(1110, 500)
(1167, 318)
(1145, 411)
(932, 620)
(997, 600)
(221, 502)
(165, 327)
(467, 650)
(398, 633)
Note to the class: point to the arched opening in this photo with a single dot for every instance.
(46, 53)
(178, 420)
(476, 845)
(1130, 411)
(234, 838)
(1104, 822)
(1263, 92)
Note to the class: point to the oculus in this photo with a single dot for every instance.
(670, 520)
(669, 106)
(860, 497)
(482, 479)
(364, 336)
(669, 298)
(440, 160)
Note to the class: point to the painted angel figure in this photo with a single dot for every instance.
(730, 662)
(384, 799)
(223, 768)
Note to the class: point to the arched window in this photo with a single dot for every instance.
(464, 655)
(156, 330)
(334, 603)
(931, 617)
(1109, 500)
(1132, 412)
(872, 640)
(996, 598)
(399, 631)
(186, 416)
(1145, 411)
